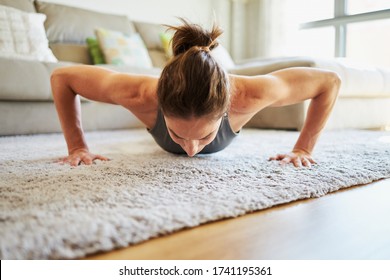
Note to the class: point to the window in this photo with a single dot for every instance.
(366, 42)
(361, 30)
(317, 42)
(282, 36)
(311, 10)
(365, 6)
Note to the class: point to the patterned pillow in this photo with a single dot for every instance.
(95, 51)
(121, 49)
(23, 36)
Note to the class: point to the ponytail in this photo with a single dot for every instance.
(193, 84)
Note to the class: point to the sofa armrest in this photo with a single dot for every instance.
(358, 81)
(71, 52)
(29, 80)
(268, 65)
(26, 79)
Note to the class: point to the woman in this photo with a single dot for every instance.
(194, 106)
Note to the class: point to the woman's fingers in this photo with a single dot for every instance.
(101, 158)
(87, 160)
(74, 161)
(81, 158)
(62, 160)
(296, 160)
(306, 162)
(285, 160)
(278, 157)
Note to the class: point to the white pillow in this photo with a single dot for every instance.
(23, 36)
(121, 49)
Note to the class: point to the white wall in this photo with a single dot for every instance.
(158, 11)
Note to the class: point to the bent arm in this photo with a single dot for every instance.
(321, 87)
(294, 85)
(93, 83)
(317, 115)
(68, 108)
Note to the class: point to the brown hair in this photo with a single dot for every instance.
(192, 84)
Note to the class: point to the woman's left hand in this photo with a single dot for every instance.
(297, 157)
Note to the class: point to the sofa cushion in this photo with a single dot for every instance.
(158, 57)
(150, 33)
(26, 80)
(24, 5)
(120, 49)
(265, 66)
(71, 52)
(67, 24)
(41, 117)
(356, 113)
(22, 35)
(358, 80)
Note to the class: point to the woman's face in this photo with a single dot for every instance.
(193, 134)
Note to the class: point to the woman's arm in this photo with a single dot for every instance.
(290, 86)
(96, 84)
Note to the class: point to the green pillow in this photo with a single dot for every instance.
(95, 51)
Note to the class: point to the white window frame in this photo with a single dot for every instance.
(340, 21)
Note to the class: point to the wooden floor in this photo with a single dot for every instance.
(349, 224)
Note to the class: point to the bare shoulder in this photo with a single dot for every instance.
(245, 100)
(248, 93)
(138, 94)
(105, 85)
(251, 94)
(133, 91)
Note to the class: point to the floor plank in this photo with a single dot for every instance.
(348, 224)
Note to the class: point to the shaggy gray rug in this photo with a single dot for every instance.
(51, 211)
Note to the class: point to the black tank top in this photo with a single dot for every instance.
(161, 135)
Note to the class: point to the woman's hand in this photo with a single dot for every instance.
(297, 157)
(80, 156)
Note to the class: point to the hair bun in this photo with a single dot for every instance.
(189, 35)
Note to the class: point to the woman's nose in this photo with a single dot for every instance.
(191, 147)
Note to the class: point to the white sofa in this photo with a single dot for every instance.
(363, 103)
(26, 104)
